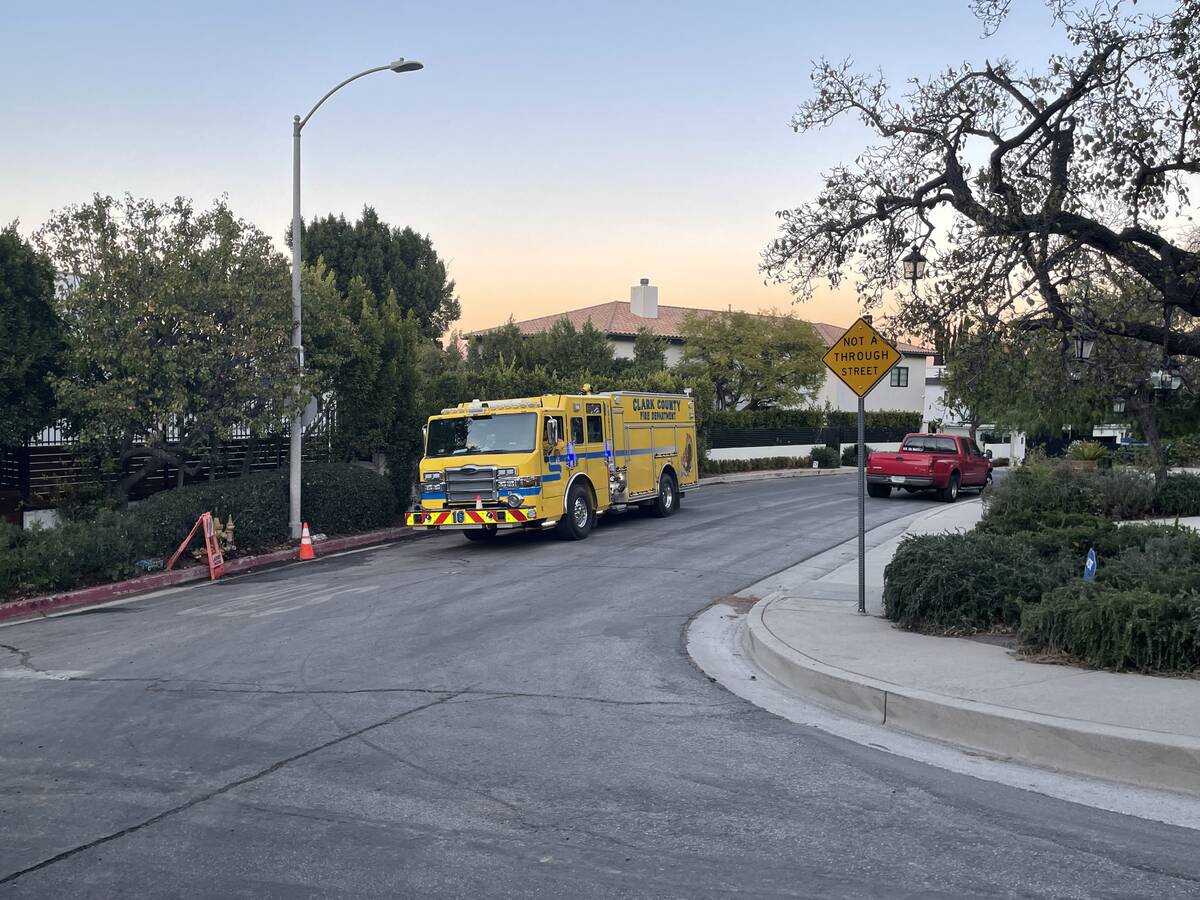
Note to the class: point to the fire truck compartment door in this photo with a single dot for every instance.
(640, 459)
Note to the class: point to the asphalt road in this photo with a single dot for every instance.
(441, 719)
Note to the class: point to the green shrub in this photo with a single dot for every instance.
(1086, 450)
(826, 457)
(1071, 535)
(12, 540)
(258, 504)
(1044, 487)
(79, 553)
(1120, 493)
(733, 466)
(337, 499)
(1178, 495)
(1184, 451)
(1164, 559)
(901, 420)
(964, 582)
(1115, 628)
(343, 499)
(1037, 487)
(850, 454)
(766, 418)
(895, 419)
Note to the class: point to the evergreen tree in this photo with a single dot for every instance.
(387, 259)
(30, 339)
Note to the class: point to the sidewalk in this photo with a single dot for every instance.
(807, 633)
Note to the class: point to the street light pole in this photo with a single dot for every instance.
(296, 445)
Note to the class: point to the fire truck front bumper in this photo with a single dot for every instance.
(469, 518)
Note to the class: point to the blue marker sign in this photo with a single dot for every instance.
(1089, 567)
(570, 454)
(608, 454)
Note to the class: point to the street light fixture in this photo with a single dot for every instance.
(296, 444)
(1084, 345)
(913, 265)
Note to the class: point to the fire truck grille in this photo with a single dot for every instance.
(465, 484)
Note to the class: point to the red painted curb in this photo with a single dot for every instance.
(104, 593)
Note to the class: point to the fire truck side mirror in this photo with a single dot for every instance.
(552, 433)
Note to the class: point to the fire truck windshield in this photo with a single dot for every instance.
(506, 433)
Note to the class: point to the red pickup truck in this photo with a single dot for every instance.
(944, 463)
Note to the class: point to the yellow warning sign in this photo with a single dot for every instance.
(861, 357)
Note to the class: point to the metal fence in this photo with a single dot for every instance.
(49, 467)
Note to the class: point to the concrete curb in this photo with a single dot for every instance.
(766, 474)
(105, 593)
(1133, 756)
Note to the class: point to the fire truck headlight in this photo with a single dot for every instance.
(514, 500)
(525, 481)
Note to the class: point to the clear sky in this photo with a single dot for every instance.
(555, 151)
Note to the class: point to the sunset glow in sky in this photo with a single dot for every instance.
(555, 151)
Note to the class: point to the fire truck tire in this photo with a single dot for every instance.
(580, 515)
(667, 501)
(486, 533)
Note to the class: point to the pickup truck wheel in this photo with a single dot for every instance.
(486, 533)
(879, 490)
(579, 517)
(949, 493)
(668, 496)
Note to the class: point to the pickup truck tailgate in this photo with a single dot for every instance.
(916, 463)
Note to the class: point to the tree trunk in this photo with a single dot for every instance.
(1143, 408)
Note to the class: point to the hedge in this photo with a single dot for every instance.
(850, 454)
(826, 457)
(812, 418)
(963, 583)
(1178, 495)
(899, 419)
(1115, 628)
(337, 499)
(730, 466)
(1111, 493)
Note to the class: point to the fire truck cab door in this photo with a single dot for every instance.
(596, 447)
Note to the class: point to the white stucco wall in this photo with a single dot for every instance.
(883, 396)
(623, 349)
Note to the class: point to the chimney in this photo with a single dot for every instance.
(643, 300)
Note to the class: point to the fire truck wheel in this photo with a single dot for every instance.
(579, 518)
(668, 496)
(486, 533)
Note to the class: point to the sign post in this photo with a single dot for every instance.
(860, 358)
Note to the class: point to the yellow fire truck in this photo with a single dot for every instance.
(558, 460)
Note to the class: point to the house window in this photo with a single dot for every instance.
(899, 376)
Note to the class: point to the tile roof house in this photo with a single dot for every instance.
(620, 321)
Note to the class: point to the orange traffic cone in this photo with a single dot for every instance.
(306, 550)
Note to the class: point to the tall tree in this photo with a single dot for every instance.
(1071, 173)
(569, 351)
(387, 259)
(649, 352)
(501, 346)
(177, 327)
(365, 350)
(754, 361)
(30, 339)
